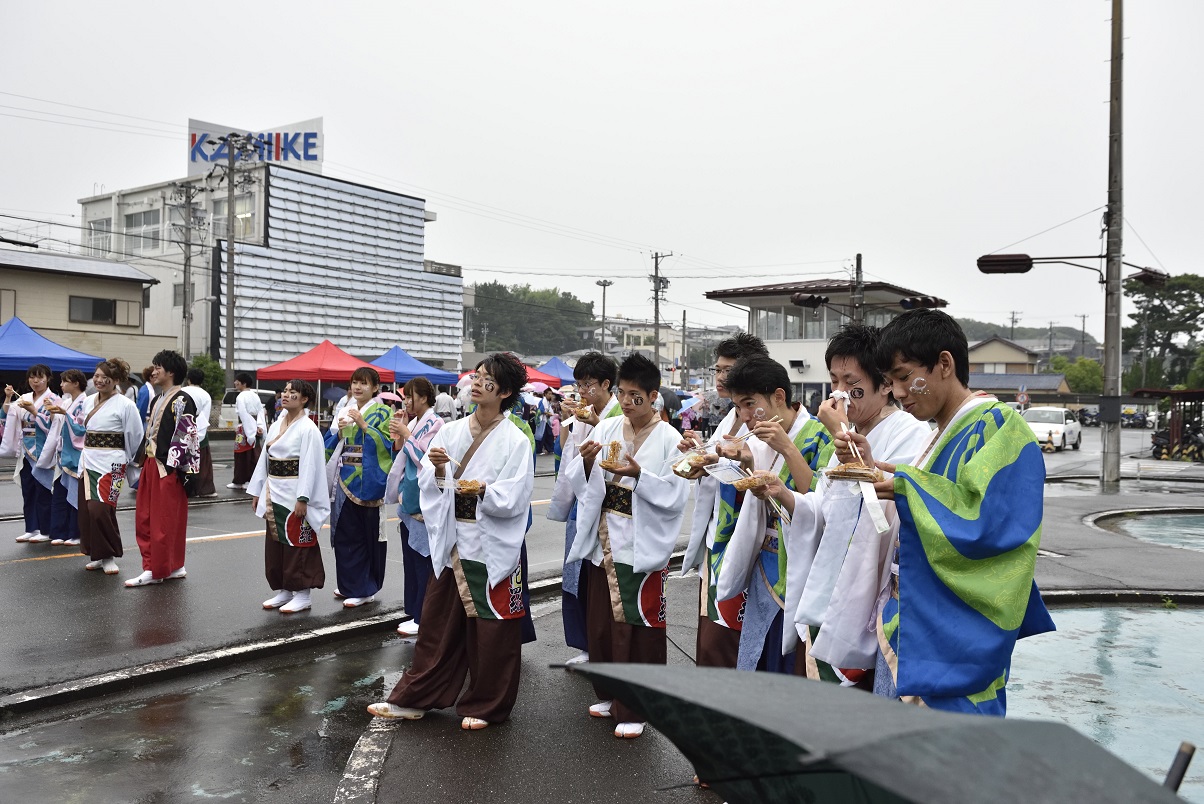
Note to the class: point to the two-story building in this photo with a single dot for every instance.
(997, 355)
(797, 337)
(91, 305)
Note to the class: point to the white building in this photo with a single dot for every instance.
(797, 337)
(315, 257)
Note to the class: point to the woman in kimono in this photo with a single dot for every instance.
(113, 434)
(25, 431)
(290, 493)
(65, 441)
(476, 518)
(360, 454)
(412, 436)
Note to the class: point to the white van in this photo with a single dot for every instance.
(228, 418)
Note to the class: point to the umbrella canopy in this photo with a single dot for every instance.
(325, 362)
(21, 347)
(767, 737)
(406, 367)
(686, 404)
(671, 399)
(559, 369)
(389, 396)
(334, 393)
(536, 387)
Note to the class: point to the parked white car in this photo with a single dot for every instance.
(1057, 424)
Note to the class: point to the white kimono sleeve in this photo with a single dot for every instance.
(562, 493)
(134, 431)
(311, 481)
(245, 419)
(10, 446)
(502, 513)
(658, 504)
(702, 528)
(259, 478)
(590, 492)
(438, 508)
(747, 536)
(48, 459)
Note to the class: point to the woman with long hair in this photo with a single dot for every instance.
(412, 433)
(290, 492)
(113, 434)
(361, 455)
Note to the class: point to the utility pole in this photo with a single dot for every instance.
(484, 335)
(187, 192)
(236, 145)
(858, 298)
(658, 289)
(604, 284)
(685, 362)
(1015, 318)
(1050, 343)
(1083, 337)
(1110, 400)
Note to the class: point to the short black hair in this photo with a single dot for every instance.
(172, 362)
(509, 373)
(860, 342)
(741, 346)
(76, 376)
(921, 335)
(640, 370)
(421, 386)
(196, 376)
(758, 375)
(39, 370)
(596, 366)
(306, 389)
(245, 378)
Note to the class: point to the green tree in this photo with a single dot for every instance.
(1085, 376)
(1167, 320)
(215, 376)
(521, 319)
(1195, 377)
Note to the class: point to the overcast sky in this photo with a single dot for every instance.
(560, 142)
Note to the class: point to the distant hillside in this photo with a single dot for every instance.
(981, 330)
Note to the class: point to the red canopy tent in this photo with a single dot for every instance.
(533, 375)
(324, 362)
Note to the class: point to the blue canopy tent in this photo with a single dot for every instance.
(21, 347)
(558, 368)
(405, 367)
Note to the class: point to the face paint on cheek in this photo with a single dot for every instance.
(759, 414)
(919, 387)
(856, 393)
(635, 400)
(489, 386)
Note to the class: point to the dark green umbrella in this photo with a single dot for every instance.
(765, 737)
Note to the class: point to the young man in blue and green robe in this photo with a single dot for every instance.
(970, 510)
(788, 444)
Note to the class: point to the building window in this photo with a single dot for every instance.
(879, 318)
(100, 237)
(146, 297)
(87, 310)
(177, 294)
(994, 368)
(8, 304)
(793, 323)
(767, 323)
(244, 217)
(813, 324)
(142, 231)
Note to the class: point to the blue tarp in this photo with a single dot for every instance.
(406, 367)
(558, 368)
(21, 347)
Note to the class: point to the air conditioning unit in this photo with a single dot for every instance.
(800, 366)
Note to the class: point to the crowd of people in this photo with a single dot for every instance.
(887, 543)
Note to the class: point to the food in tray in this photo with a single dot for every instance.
(613, 450)
(854, 471)
(688, 465)
(469, 487)
(752, 482)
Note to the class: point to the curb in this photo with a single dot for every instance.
(1112, 597)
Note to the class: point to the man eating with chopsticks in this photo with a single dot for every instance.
(787, 444)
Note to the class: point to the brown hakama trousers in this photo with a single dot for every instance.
(452, 645)
(244, 464)
(611, 641)
(203, 486)
(99, 537)
(716, 646)
(294, 569)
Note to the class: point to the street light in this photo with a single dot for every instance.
(604, 284)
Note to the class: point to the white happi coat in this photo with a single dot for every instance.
(644, 541)
(117, 415)
(839, 562)
(18, 420)
(503, 462)
(303, 442)
(706, 502)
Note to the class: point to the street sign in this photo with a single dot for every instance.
(1022, 398)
